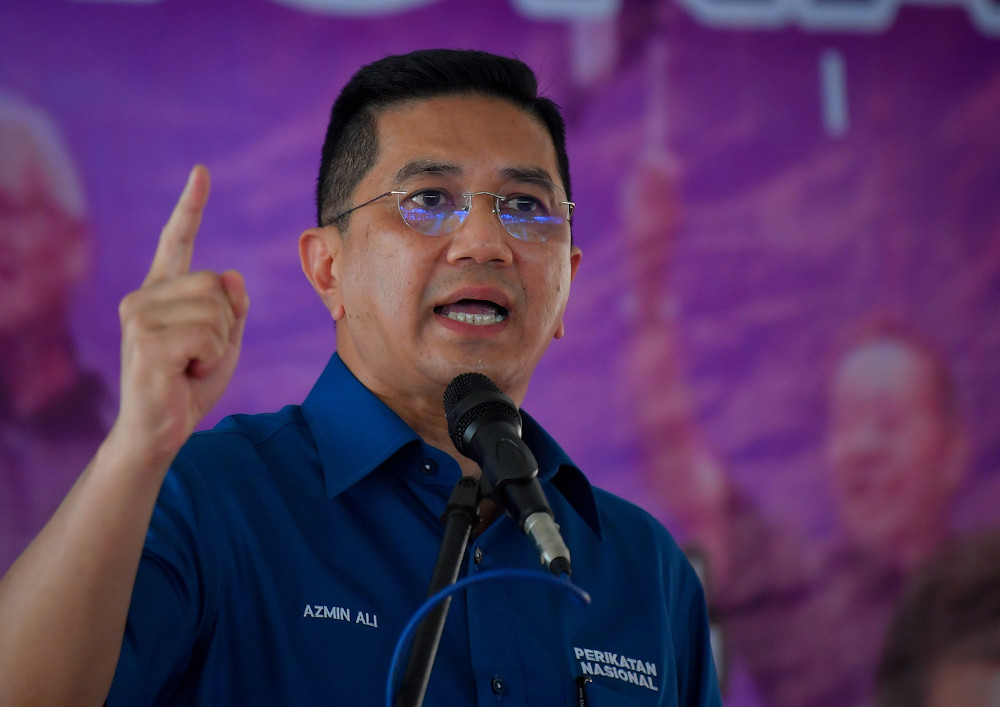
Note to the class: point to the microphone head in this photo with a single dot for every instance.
(472, 397)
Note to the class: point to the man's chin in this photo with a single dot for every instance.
(476, 365)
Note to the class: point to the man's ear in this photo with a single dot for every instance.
(319, 251)
(575, 256)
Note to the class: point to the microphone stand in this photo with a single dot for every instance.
(461, 516)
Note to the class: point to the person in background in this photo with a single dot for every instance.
(53, 413)
(806, 623)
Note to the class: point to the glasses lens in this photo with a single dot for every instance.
(530, 210)
(434, 211)
(534, 210)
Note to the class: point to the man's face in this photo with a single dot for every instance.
(397, 286)
(894, 456)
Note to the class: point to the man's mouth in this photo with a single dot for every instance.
(473, 311)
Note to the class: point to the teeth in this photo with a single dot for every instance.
(476, 319)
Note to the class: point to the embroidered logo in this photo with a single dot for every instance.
(618, 666)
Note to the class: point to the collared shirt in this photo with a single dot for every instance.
(288, 551)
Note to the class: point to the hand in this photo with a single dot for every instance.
(181, 337)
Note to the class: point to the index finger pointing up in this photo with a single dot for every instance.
(173, 252)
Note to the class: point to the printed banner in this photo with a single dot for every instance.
(783, 338)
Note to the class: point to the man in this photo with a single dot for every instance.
(808, 624)
(285, 552)
(52, 411)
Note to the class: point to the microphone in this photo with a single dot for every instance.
(485, 426)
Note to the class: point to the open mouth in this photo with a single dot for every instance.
(473, 311)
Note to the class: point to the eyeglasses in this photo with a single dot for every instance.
(529, 209)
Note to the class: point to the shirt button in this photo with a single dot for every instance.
(497, 685)
(477, 556)
(429, 467)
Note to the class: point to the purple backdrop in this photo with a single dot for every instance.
(763, 179)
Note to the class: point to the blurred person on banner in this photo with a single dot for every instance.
(805, 619)
(797, 620)
(53, 412)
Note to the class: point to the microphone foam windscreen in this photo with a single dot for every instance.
(473, 396)
(465, 385)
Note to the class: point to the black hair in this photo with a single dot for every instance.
(350, 149)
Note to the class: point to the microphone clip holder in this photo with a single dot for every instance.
(461, 515)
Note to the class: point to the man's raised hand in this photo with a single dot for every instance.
(181, 336)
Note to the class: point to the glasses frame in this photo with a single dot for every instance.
(497, 199)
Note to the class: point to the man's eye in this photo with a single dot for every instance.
(430, 198)
(524, 204)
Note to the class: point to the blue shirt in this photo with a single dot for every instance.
(287, 552)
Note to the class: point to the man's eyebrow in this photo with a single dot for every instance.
(537, 174)
(427, 166)
(421, 167)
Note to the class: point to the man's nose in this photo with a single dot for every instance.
(481, 237)
(864, 440)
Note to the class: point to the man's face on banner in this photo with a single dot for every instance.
(893, 451)
(42, 251)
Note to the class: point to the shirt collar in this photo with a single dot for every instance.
(355, 433)
(555, 467)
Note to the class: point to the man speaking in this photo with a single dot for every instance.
(277, 558)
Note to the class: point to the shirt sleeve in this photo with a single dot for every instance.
(173, 601)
